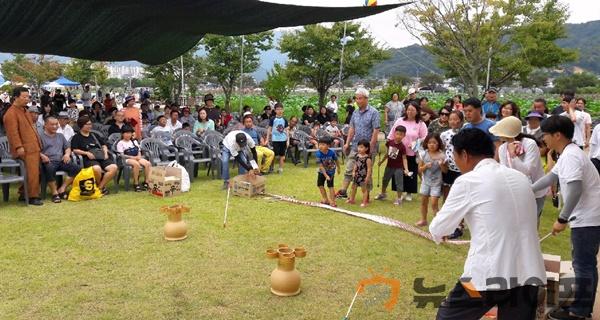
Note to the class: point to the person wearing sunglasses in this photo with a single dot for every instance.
(440, 124)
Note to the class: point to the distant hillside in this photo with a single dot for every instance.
(415, 60)
(586, 38)
(412, 61)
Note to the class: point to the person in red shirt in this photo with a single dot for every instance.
(108, 103)
(397, 164)
(226, 117)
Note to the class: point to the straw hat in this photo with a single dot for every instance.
(508, 127)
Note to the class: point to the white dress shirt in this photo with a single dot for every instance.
(499, 207)
(333, 106)
(174, 126)
(529, 163)
(67, 131)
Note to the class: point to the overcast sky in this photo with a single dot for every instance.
(382, 25)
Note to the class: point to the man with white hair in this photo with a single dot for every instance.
(364, 125)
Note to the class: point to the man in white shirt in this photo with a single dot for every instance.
(587, 121)
(332, 104)
(234, 145)
(174, 122)
(580, 186)
(578, 119)
(504, 264)
(64, 127)
(163, 127)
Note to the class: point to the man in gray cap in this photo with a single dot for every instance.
(34, 113)
(64, 127)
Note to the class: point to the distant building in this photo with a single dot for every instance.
(125, 72)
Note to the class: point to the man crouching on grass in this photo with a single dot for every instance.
(504, 266)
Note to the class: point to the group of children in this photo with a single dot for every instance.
(435, 166)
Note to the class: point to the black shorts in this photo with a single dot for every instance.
(279, 148)
(449, 177)
(50, 168)
(102, 163)
(321, 180)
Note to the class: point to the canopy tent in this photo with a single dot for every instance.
(52, 85)
(150, 31)
(62, 81)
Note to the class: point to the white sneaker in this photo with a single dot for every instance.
(398, 202)
(280, 171)
(408, 197)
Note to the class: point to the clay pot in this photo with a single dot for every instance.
(300, 252)
(175, 229)
(272, 253)
(285, 279)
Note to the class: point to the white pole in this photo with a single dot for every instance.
(242, 77)
(342, 58)
(351, 305)
(226, 207)
(182, 85)
(489, 66)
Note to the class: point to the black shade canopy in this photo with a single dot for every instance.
(150, 31)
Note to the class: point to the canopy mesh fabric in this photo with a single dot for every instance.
(150, 31)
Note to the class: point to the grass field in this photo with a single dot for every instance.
(106, 259)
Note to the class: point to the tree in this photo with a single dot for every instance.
(314, 54)
(278, 83)
(114, 83)
(372, 83)
(86, 71)
(536, 79)
(167, 76)
(431, 80)
(224, 55)
(392, 86)
(518, 36)
(575, 81)
(401, 79)
(32, 70)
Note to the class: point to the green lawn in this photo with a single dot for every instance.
(106, 259)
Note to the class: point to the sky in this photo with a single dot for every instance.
(382, 26)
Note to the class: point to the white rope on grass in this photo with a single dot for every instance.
(371, 217)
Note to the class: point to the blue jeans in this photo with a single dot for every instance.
(585, 242)
(225, 155)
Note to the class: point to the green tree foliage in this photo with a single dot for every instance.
(86, 71)
(536, 79)
(392, 86)
(114, 83)
(575, 81)
(224, 55)
(278, 83)
(33, 70)
(431, 80)
(460, 33)
(314, 54)
(167, 77)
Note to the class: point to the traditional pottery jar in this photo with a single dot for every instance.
(285, 279)
(175, 229)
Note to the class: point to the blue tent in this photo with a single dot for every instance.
(66, 82)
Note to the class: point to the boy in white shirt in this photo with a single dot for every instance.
(578, 119)
(580, 185)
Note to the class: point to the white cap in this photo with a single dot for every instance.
(412, 90)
